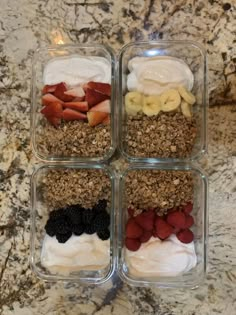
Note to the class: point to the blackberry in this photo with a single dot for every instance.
(75, 214)
(55, 214)
(101, 205)
(90, 229)
(101, 221)
(62, 238)
(88, 216)
(104, 234)
(62, 225)
(50, 227)
(77, 229)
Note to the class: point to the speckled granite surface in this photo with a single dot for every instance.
(23, 24)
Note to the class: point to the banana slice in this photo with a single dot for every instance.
(170, 100)
(133, 103)
(186, 109)
(186, 95)
(151, 105)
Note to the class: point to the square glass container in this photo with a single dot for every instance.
(194, 276)
(194, 56)
(60, 152)
(40, 208)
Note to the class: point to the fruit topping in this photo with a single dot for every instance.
(48, 99)
(146, 236)
(101, 221)
(79, 106)
(145, 220)
(76, 92)
(176, 219)
(185, 236)
(71, 114)
(94, 97)
(62, 238)
(53, 113)
(189, 221)
(133, 103)
(104, 234)
(103, 88)
(186, 95)
(59, 92)
(132, 244)
(188, 208)
(104, 107)
(49, 88)
(106, 120)
(170, 100)
(151, 105)
(133, 230)
(163, 229)
(95, 118)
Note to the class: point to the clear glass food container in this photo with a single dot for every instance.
(40, 209)
(51, 147)
(192, 54)
(190, 278)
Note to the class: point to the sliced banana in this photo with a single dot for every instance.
(170, 100)
(186, 95)
(151, 105)
(133, 103)
(186, 109)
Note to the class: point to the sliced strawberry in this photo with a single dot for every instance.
(104, 88)
(131, 211)
(80, 106)
(176, 219)
(132, 244)
(49, 88)
(60, 93)
(95, 118)
(145, 220)
(188, 208)
(77, 92)
(133, 230)
(185, 236)
(106, 120)
(146, 236)
(94, 97)
(104, 107)
(53, 113)
(48, 99)
(70, 114)
(163, 229)
(189, 221)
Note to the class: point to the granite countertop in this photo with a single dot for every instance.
(23, 26)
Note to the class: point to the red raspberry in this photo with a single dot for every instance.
(185, 236)
(133, 230)
(146, 236)
(146, 220)
(176, 219)
(132, 244)
(163, 229)
(188, 208)
(189, 221)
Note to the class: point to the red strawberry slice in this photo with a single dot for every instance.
(49, 88)
(132, 244)
(176, 219)
(60, 92)
(163, 229)
(53, 113)
(77, 92)
(133, 230)
(48, 99)
(71, 114)
(94, 97)
(104, 107)
(106, 120)
(104, 88)
(80, 106)
(189, 221)
(146, 220)
(146, 236)
(95, 118)
(185, 236)
(188, 208)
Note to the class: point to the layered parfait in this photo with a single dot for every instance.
(76, 234)
(159, 107)
(76, 100)
(159, 223)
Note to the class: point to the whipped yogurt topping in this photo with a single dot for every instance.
(161, 258)
(84, 252)
(75, 70)
(154, 75)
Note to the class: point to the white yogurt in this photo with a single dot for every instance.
(161, 258)
(84, 252)
(75, 70)
(154, 75)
